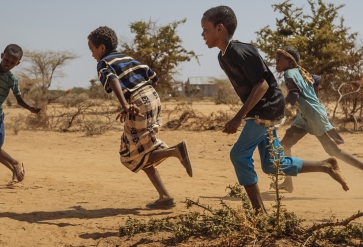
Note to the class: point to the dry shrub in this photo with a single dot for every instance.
(36, 122)
(14, 127)
(191, 119)
(96, 90)
(223, 227)
(54, 95)
(229, 227)
(72, 99)
(96, 127)
(29, 121)
(225, 93)
(27, 84)
(88, 117)
(37, 95)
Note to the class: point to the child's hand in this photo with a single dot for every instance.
(122, 116)
(231, 127)
(34, 110)
(134, 110)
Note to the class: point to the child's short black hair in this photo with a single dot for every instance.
(293, 52)
(222, 15)
(104, 35)
(14, 49)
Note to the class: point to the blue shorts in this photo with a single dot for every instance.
(2, 130)
(255, 136)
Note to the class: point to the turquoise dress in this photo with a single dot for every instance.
(312, 115)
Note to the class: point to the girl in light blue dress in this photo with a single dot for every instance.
(312, 117)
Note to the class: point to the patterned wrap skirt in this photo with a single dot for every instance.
(139, 136)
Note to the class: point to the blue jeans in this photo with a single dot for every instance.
(252, 136)
(2, 130)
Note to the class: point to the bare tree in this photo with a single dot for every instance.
(46, 65)
(327, 47)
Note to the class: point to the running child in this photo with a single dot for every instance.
(9, 59)
(312, 117)
(263, 107)
(132, 82)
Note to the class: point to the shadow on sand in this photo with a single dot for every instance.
(41, 217)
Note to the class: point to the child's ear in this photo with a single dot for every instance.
(103, 47)
(17, 63)
(2, 54)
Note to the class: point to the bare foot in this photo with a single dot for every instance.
(184, 157)
(335, 172)
(287, 185)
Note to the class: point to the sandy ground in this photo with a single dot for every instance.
(77, 193)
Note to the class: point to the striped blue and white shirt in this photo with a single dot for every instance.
(130, 72)
(8, 81)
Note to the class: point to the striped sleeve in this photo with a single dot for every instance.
(152, 75)
(105, 75)
(15, 86)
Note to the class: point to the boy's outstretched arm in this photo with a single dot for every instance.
(256, 94)
(23, 104)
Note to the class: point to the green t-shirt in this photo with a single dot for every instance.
(8, 81)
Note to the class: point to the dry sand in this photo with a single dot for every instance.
(77, 193)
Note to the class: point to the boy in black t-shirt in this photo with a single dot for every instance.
(263, 107)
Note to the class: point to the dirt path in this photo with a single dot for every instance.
(77, 193)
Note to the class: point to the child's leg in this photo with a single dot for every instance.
(241, 157)
(333, 150)
(5, 158)
(179, 151)
(289, 165)
(329, 166)
(292, 166)
(17, 168)
(165, 200)
(7, 164)
(253, 193)
(11, 168)
(2, 139)
(155, 179)
(292, 136)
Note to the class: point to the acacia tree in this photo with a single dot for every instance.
(326, 47)
(160, 48)
(46, 65)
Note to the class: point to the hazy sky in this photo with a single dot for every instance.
(64, 25)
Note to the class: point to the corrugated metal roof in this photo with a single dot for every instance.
(202, 80)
